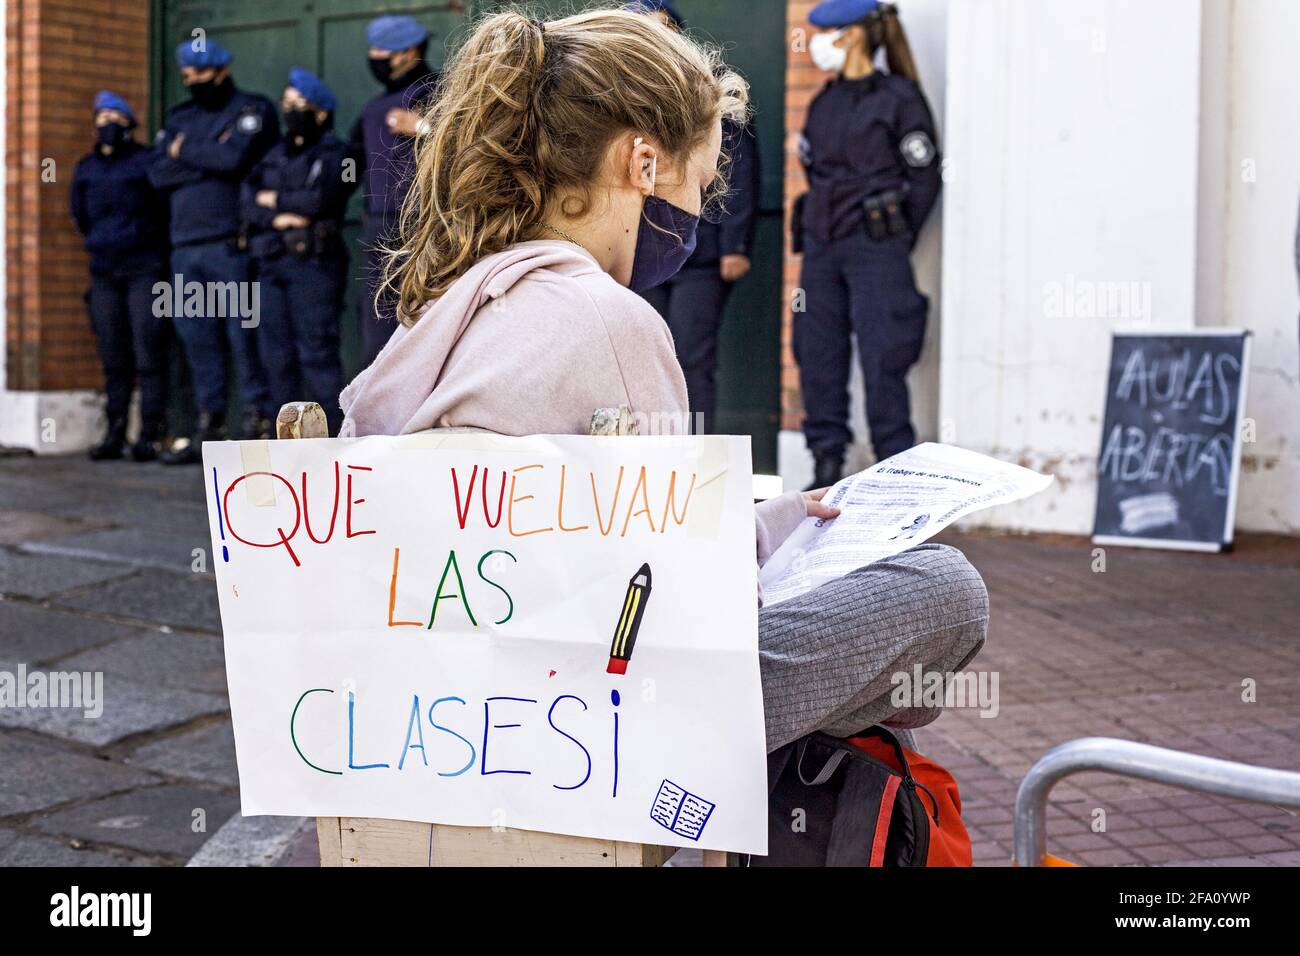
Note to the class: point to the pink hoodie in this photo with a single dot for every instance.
(531, 341)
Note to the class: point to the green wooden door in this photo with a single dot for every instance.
(328, 37)
(752, 34)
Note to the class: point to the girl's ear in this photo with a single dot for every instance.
(641, 166)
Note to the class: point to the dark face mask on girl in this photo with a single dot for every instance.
(665, 239)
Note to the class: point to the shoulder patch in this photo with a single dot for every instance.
(917, 149)
(249, 122)
(805, 150)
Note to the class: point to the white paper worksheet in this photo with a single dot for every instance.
(892, 506)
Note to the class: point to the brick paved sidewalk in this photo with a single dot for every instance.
(96, 574)
(1155, 649)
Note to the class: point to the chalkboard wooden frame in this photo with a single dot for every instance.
(1241, 392)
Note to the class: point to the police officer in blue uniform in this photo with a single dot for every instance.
(692, 301)
(207, 147)
(124, 223)
(870, 153)
(384, 139)
(293, 204)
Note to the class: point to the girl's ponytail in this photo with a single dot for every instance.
(477, 187)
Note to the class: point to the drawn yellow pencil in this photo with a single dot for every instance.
(629, 622)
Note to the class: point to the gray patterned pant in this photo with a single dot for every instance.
(827, 657)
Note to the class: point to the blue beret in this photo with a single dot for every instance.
(313, 87)
(832, 14)
(108, 100)
(213, 54)
(656, 6)
(395, 33)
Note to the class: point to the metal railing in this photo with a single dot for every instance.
(1145, 762)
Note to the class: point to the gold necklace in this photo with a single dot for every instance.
(562, 234)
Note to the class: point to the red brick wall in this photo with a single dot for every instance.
(803, 80)
(58, 54)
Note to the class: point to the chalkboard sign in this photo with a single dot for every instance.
(1170, 446)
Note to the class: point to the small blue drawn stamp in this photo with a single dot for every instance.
(680, 811)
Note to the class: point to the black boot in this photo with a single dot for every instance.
(110, 448)
(189, 451)
(149, 445)
(828, 468)
(257, 426)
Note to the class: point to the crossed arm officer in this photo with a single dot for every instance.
(124, 224)
(692, 301)
(869, 150)
(384, 139)
(208, 145)
(293, 203)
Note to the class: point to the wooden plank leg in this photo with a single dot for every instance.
(328, 836)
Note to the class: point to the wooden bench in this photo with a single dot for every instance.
(361, 841)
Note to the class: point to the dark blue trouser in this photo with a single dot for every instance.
(298, 337)
(692, 303)
(857, 286)
(132, 346)
(207, 337)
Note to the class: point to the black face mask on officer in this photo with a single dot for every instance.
(111, 135)
(209, 94)
(301, 123)
(381, 68)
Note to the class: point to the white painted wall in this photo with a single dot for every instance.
(1103, 143)
(1256, 188)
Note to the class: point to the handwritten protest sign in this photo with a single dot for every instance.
(549, 633)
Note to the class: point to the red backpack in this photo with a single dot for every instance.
(864, 801)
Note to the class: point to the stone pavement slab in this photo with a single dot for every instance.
(135, 546)
(26, 849)
(128, 708)
(257, 841)
(37, 776)
(205, 754)
(156, 820)
(23, 527)
(168, 658)
(28, 575)
(30, 632)
(180, 600)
